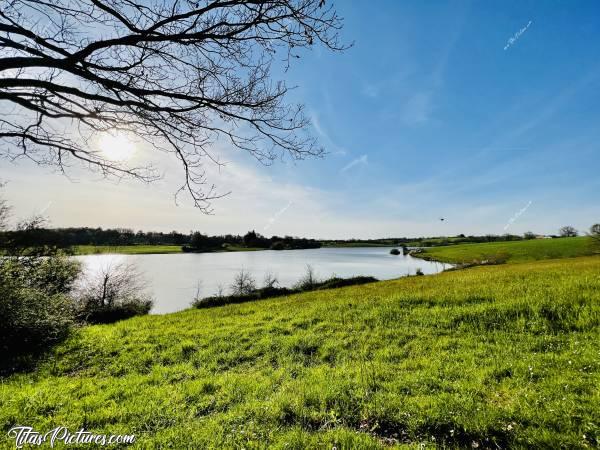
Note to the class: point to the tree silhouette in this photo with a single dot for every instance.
(595, 233)
(179, 75)
(568, 231)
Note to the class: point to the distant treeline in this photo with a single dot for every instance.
(426, 241)
(199, 242)
(68, 237)
(194, 241)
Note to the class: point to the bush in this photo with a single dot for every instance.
(52, 274)
(336, 282)
(115, 292)
(258, 294)
(32, 320)
(270, 291)
(308, 281)
(394, 251)
(243, 284)
(36, 309)
(125, 310)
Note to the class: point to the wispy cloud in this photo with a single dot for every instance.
(420, 106)
(355, 162)
(327, 141)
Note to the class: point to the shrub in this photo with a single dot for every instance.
(52, 274)
(258, 294)
(270, 281)
(394, 251)
(36, 309)
(129, 308)
(308, 281)
(270, 291)
(243, 283)
(335, 282)
(115, 292)
(32, 320)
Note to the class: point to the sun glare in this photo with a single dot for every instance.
(116, 146)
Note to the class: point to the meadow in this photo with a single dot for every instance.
(488, 357)
(512, 251)
(126, 249)
(144, 249)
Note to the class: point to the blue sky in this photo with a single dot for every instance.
(427, 115)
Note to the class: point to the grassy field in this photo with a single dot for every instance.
(489, 357)
(144, 249)
(126, 249)
(513, 251)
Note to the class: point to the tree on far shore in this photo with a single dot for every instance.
(568, 231)
(595, 233)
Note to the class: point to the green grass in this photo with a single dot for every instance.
(126, 249)
(144, 249)
(495, 357)
(513, 251)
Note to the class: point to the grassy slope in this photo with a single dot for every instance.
(505, 353)
(517, 251)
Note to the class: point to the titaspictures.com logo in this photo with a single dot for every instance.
(24, 435)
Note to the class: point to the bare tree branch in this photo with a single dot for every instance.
(178, 74)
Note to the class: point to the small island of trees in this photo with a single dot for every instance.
(251, 240)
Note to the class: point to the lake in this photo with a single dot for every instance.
(173, 278)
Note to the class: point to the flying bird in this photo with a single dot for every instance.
(442, 219)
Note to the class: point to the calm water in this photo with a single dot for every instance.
(173, 278)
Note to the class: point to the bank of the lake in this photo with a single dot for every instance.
(489, 357)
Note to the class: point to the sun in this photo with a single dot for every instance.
(116, 146)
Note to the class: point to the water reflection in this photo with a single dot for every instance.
(174, 278)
